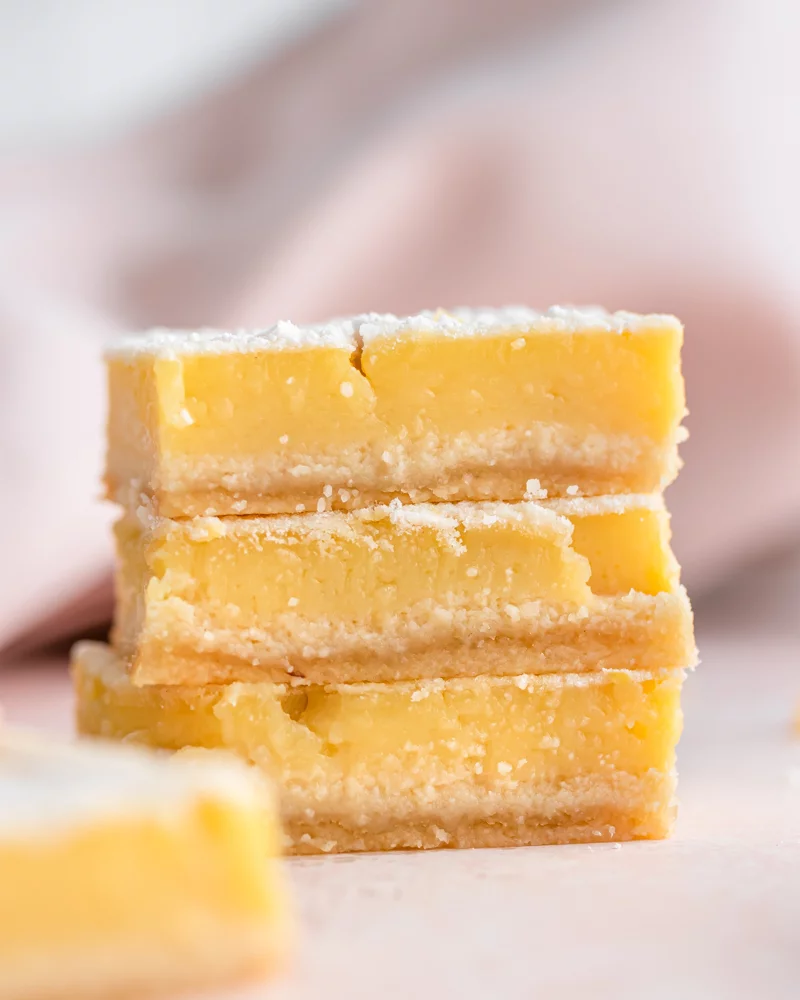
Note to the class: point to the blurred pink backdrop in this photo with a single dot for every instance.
(641, 156)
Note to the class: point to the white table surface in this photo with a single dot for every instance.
(715, 912)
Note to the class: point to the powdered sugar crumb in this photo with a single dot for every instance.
(534, 491)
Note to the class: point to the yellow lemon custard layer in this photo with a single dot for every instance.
(480, 762)
(124, 872)
(401, 592)
(468, 405)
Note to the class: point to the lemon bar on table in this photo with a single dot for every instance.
(401, 592)
(476, 762)
(123, 872)
(467, 405)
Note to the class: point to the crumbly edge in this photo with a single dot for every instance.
(650, 631)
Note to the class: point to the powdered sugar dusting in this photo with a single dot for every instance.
(463, 322)
(163, 343)
(347, 332)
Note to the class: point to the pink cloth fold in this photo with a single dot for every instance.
(641, 156)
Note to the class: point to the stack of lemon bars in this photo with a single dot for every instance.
(417, 570)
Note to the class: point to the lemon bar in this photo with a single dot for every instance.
(399, 592)
(469, 405)
(124, 872)
(481, 762)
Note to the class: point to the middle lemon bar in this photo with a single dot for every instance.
(402, 592)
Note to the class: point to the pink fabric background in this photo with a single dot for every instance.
(643, 156)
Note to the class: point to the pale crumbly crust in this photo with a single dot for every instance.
(613, 805)
(590, 809)
(498, 469)
(632, 630)
(503, 829)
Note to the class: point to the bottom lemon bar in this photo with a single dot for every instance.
(478, 762)
(123, 872)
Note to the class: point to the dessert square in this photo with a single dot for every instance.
(125, 873)
(401, 592)
(468, 405)
(475, 762)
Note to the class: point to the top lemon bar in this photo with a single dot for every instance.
(505, 404)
